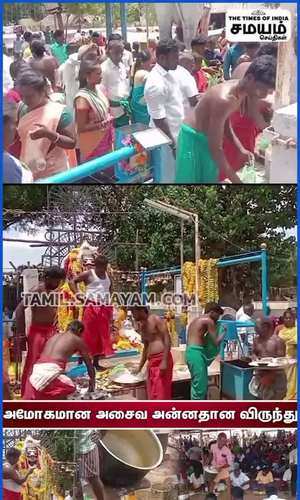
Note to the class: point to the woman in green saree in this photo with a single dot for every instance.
(138, 104)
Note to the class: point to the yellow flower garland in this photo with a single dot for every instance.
(66, 312)
(208, 280)
(40, 484)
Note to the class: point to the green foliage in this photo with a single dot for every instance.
(59, 444)
(31, 199)
(84, 9)
(233, 219)
(13, 12)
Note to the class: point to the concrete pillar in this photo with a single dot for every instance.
(108, 19)
(286, 83)
(123, 17)
(283, 161)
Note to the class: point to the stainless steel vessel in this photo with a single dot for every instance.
(128, 455)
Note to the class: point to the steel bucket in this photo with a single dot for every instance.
(128, 455)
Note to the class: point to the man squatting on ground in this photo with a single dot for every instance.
(48, 380)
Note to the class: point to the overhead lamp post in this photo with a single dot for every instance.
(187, 216)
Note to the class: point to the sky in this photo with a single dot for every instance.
(21, 253)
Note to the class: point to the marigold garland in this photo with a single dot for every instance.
(208, 280)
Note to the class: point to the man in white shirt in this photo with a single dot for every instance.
(187, 83)
(67, 74)
(127, 58)
(241, 312)
(164, 102)
(116, 81)
(238, 478)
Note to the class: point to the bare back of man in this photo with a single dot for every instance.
(214, 107)
(43, 314)
(62, 345)
(198, 329)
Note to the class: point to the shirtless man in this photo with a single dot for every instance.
(47, 380)
(249, 124)
(43, 63)
(266, 49)
(157, 350)
(43, 319)
(200, 154)
(97, 317)
(12, 479)
(268, 384)
(202, 348)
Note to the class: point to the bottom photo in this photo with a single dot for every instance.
(149, 464)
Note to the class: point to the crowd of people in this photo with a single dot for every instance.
(48, 352)
(259, 464)
(64, 101)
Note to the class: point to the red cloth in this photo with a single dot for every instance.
(15, 148)
(101, 41)
(13, 95)
(11, 495)
(36, 340)
(96, 335)
(159, 384)
(246, 131)
(57, 389)
(201, 80)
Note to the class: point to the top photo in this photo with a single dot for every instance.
(162, 93)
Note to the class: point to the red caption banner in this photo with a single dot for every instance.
(179, 414)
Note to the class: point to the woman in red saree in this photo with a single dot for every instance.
(93, 119)
(45, 128)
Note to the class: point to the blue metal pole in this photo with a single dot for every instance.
(123, 17)
(264, 281)
(242, 260)
(89, 168)
(163, 271)
(108, 18)
(143, 285)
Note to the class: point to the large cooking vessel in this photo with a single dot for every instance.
(128, 455)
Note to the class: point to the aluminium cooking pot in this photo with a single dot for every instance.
(128, 455)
